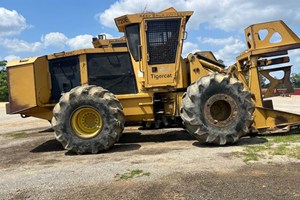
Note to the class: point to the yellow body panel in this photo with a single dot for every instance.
(24, 94)
(199, 67)
(83, 69)
(123, 21)
(137, 107)
(165, 76)
(86, 51)
(139, 75)
(39, 112)
(256, 41)
(29, 84)
(274, 121)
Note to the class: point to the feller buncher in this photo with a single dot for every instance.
(89, 94)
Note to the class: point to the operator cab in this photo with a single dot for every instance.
(155, 44)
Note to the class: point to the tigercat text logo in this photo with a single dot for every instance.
(122, 20)
(160, 76)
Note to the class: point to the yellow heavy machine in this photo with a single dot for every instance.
(89, 94)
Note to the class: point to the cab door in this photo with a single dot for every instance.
(162, 45)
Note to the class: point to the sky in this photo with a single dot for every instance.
(33, 28)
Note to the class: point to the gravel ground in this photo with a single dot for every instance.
(14, 123)
(172, 165)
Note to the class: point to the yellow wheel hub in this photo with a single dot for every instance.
(86, 122)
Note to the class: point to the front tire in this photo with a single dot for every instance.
(88, 119)
(217, 109)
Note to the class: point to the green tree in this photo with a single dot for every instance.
(295, 79)
(3, 63)
(263, 81)
(3, 81)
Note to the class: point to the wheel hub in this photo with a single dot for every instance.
(86, 122)
(220, 110)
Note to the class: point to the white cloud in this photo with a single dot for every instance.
(16, 45)
(108, 36)
(11, 22)
(189, 47)
(230, 51)
(229, 15)
(123, 7)
(295, 54)
(295, 60)
(80, 41)
(54, 39)
(229, 48)
(217, 41)
(12, 57)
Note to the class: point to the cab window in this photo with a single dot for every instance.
(133, 38)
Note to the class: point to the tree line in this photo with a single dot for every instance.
(3, 81)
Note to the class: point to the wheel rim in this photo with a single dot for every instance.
(86, 122)
(220, 110)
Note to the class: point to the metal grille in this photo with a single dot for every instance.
(162, 40)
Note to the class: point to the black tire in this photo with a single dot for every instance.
(99, 102)
(217, 109)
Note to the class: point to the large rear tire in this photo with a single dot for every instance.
(88, 119)
(217, 109)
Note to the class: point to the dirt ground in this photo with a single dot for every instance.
(170, 165)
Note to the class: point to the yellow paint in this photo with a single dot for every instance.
(199, 67)
(83, 69)
(29, 83)
(259, 54)
(137, 107)
(86, 122)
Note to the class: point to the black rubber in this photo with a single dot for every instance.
(106, 104)
(229, 98)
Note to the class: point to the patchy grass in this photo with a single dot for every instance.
(287, 145)
(252, 152)
(16, 135)
(131, 174)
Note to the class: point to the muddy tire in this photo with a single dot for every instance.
(88, 119)
(217, 109)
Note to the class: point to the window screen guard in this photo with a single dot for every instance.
(162, 40)
(112, 71)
